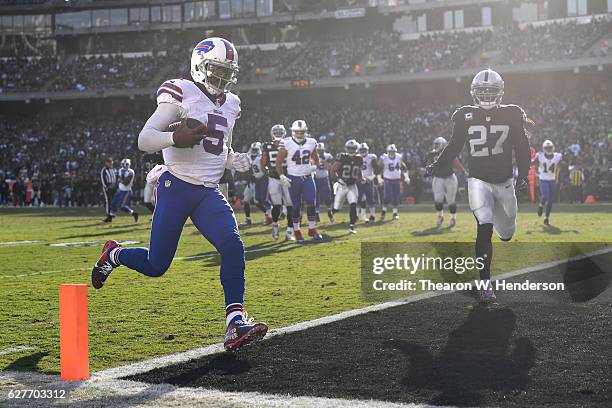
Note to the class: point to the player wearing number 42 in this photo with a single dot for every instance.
(492, 132)
(195, 156)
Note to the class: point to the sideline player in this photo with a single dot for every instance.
(548, 161)
(348, 169)
(302, 160)
(256, 189)
(322, 181)
(491, 131)
(392, 166)
(277, 190)
(366, 185)
(150, 161)
(188, 184)
(444, 183)
(121, 200)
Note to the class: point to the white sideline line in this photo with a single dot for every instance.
(114, 392)
(15, 349)
(19, 242)
(181, 357)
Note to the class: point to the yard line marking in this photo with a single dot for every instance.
(181, 357)
(25, 275)
(19, 242)
(15, 349)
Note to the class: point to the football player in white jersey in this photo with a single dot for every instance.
(278, 191)
(121, 199)
(366, 185)
(322, 180)
(548, 161)
(302, 160)
(195, 157)
(256, 190)
(392, 168)
(444, 183)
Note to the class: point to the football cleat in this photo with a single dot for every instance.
(243, 332)
(314, 233)
(330, 215)
(352, 229)
(298, 237)
(382, 216)
(103, 267)
(540, 210)
(268, 220)
(546, 222)
(289, 236)
(487, 296)
(246, 222)
(372, 218)
(275, 233)
(452, 223)
(108, 219)
(395, 216)
(440, 220)
(135, 215)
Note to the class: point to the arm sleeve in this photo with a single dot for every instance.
(153, 136)
(522, 152)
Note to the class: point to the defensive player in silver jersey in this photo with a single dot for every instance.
(196, 155)
(492, 132)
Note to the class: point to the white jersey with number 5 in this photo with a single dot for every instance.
(548, 165)
(298, 155)
(202, 164)
(392, 167)
(367, 169)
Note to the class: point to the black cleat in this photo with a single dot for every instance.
(243, 332)
(382, 216)
(330, 215)
(372, 218)
(108, 219)
(135, 215)
(546, 222)
(103, 267)
(540, 209)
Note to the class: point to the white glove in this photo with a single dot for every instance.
(313, 168)
(341, 182)
(285, 180)
(380, 179)
(406, 178)
(241, 162)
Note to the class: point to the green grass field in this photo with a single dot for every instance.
(135, 317)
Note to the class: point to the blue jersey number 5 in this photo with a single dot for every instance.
(213, 142)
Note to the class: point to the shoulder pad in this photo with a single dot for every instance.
(461, 114)
(170, 91)
(515, 108)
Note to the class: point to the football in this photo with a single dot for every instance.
(191, 124)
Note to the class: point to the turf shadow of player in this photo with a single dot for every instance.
(480, 357)
(252, 252)
(431, 231)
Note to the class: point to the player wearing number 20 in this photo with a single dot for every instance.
(302, 160)
(492, 132)
(188, 184)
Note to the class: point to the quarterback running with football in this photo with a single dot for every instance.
(492, 132)
(188, 184)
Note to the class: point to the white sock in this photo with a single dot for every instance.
(395, 211)
(114, 259)
(312, 224)
(372, 211)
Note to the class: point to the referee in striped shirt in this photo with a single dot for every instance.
(108, 176)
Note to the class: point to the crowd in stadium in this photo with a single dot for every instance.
(64, 158)
(336, 56)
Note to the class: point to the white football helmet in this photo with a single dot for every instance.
(321, 148)
(214, 64)
(351, 146)
(126, 163)
(439, 143)
(299, 130)
(364, 149)
(278, 132)
(255, 149)
(548, 146)
(392, 149)
(487, 89)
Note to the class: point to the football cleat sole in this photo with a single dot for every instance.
(254, 335)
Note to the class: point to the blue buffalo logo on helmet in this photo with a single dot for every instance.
(204, 46)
